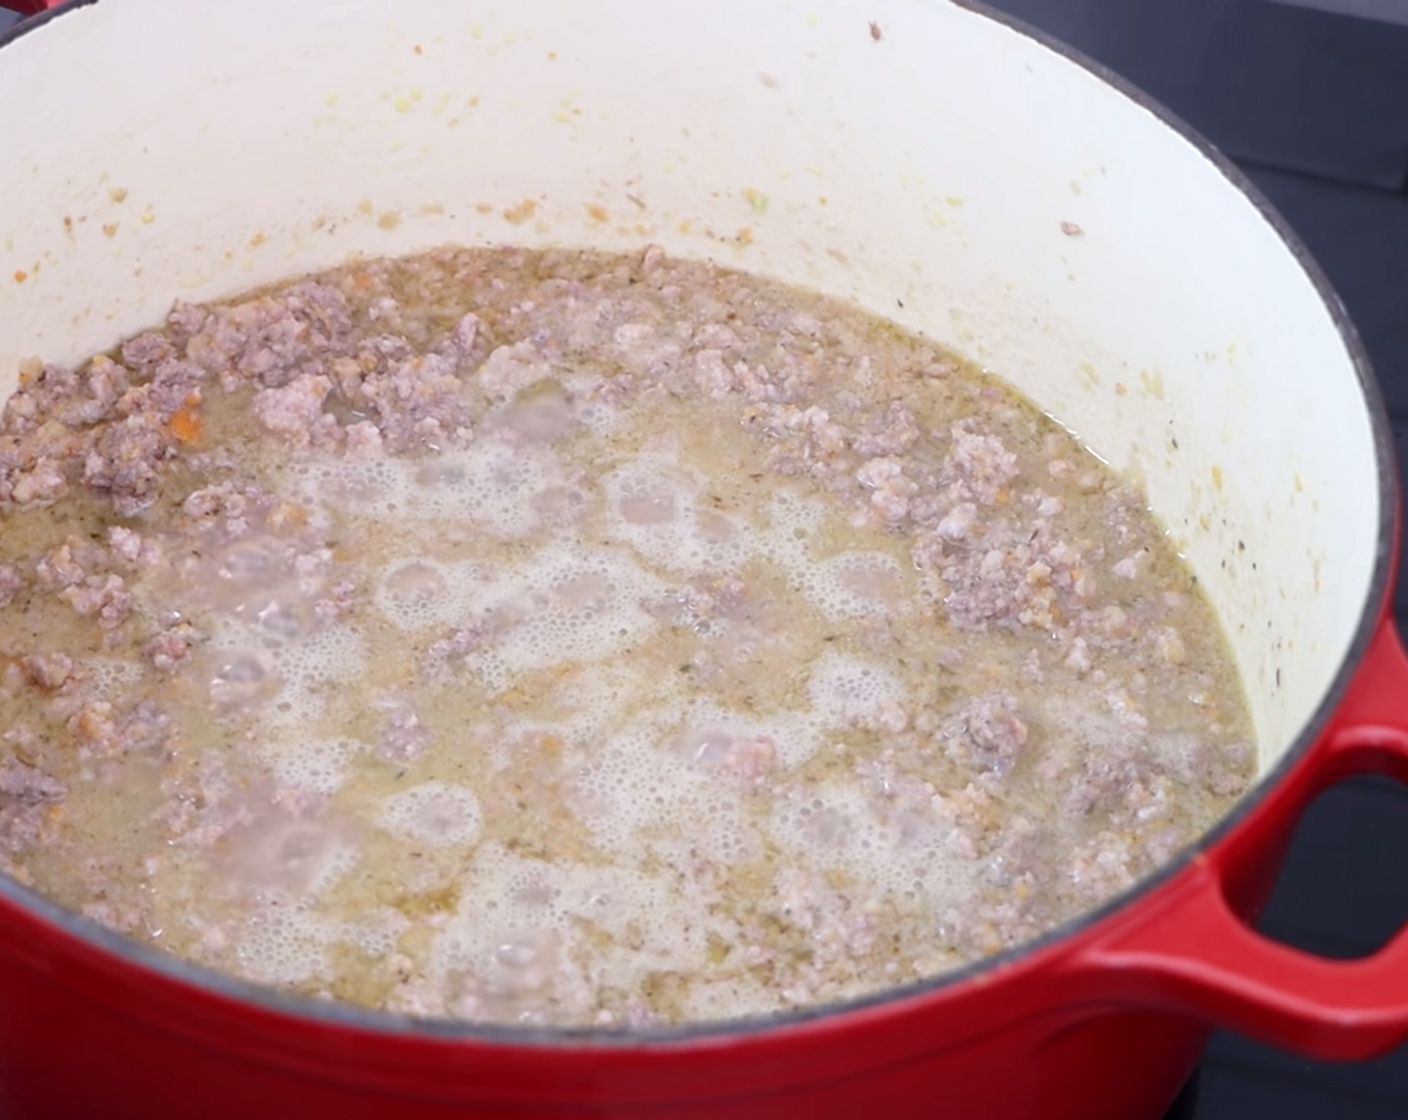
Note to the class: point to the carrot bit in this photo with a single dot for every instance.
(186, 424)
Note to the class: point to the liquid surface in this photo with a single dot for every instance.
(572, 639)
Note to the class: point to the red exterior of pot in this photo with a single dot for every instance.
(78, 1039)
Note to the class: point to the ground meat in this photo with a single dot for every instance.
(980, 461)
(147, 351)
(48, 671)
(28, 785)
(712, 376)
(102, 731)
(892, 432)
(988, 732)
(60, 394)
(701, 604)
(172, 647)
(1107, 776)
(891, 490)
(335, 604)
(1103, 866)
(21, 828)
(1078, 658)
(364, 440)
(229, 510)
(446, 652)
(961, 523)
(185, 320)
(124, 461)
(1133, 565)
(991, 586)
(273, 337)
(466, 331)
(642, 351)
(416, 401)
(65, 565)
(106, 597)
(294, 412)
(46, 481)
(805, 441)
(1005, 573)
(11, 584)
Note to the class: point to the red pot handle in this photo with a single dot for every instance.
(29, 7)
(1196, 956)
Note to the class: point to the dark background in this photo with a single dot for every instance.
(1314, 107)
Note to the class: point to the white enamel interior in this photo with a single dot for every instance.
(155, 150)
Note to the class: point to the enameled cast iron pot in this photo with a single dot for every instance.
(933, 162)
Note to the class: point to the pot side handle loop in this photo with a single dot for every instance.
(1197, 957)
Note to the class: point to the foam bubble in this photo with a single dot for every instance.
(660, 509)
(308, 670)
(492, 483)
(311, 764)
(376, 931)
(565, 605)
(108, 676)
(651, 919)
(844, 689)
(417, 591)
(715, 729)
(434, 812)
(793, 522)
(285, 945)
(855, 584)
(834, 826)
(829, 824)
(635, 785)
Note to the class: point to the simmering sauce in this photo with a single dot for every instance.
(575, 639)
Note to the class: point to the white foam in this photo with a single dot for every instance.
(492, 483)
(635, 785)
(794, 735)
(660, 509)
(312, 764)
(109, 676)
(565, 605)
(662, 778)
(376, 931)
(309, 670)
(793, 523)
(854, 584)
(285, 945)
(834, 826)
(434, 812)
(844, 689)
(655, 923)
(416, 592)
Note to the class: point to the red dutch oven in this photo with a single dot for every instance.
(929, 160)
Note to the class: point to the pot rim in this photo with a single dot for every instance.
(364, 1020)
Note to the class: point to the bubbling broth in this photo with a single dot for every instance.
(577, 639)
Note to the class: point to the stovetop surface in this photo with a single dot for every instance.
(1314, 107)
